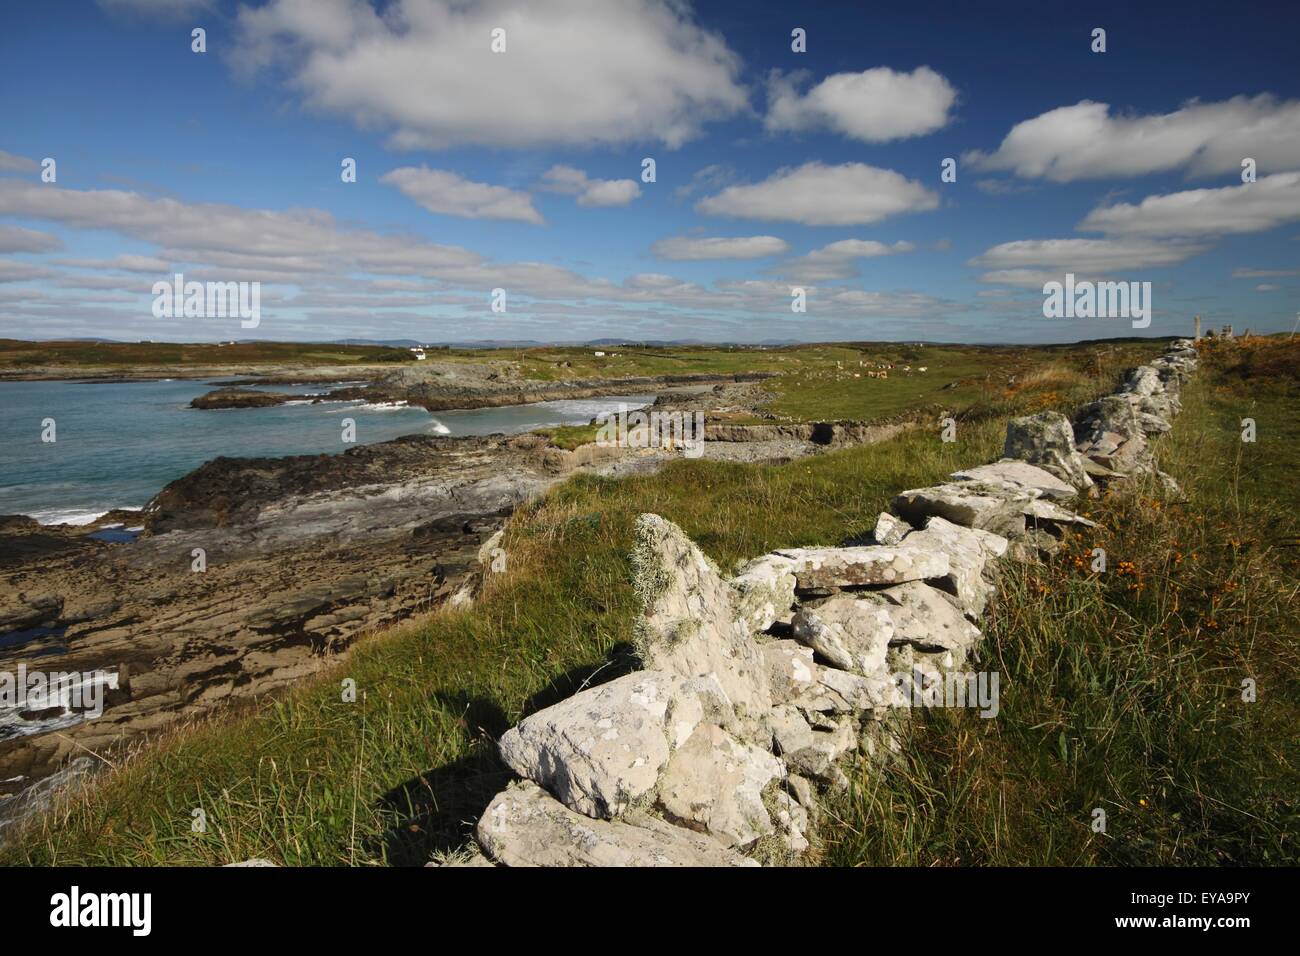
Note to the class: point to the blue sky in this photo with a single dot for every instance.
(522, 169)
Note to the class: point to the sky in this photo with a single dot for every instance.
(524, 168)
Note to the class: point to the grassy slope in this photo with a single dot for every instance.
(309, 779)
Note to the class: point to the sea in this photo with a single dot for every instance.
(116, 444)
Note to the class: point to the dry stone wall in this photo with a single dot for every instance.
(754, 689)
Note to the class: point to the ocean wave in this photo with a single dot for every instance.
(76, 516)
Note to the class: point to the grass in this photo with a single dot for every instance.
(1123, 691)
(17, 355)
(404, 772)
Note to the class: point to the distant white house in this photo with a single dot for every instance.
(598, 354)
(418, 353)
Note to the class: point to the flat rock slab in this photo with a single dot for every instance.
(975, 504)
(526, 826)
(1019, 476)
(602, 751)
(816, 568)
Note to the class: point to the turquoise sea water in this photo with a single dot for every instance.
(118, 444)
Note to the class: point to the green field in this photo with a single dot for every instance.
(18, 355)
(1117, 691)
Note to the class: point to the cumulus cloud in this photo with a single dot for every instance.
(719, 247)
(590, 192)
(1251, 207)
(875, 106)
(444, 192)
(1031, 262)
(1085, 141)
(837, 260)
(816, 194)
(18, 239)
(576, 73)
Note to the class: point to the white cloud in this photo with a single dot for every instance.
(714, 176)
(18, 239)
(901, 304)
(590, 192)
(572, 72)
(12, 270)
(1266, 287)
(1264, 273)
(719, 247)
(1031, 262)
(875, 106)
(816, 194)
(836, 261)
(1085, 141)
(11, 163)
(231, 237)
(129, 263)
(444, 192)
(1251, 207)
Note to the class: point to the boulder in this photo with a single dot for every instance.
(1108, 432)
(602, 751)
(889, 530)
(525, 826)
(1019, 476)
(969, 550)
(819, 568)
(690, 625)
(797, 679)
(1152, 424)
(851, 633)
(809, 751)
(855, 632)
(791, 672)
(714, 784)
(764, 591)
(1046, 440)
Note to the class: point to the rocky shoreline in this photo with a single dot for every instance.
(250, 574)
(446, 386)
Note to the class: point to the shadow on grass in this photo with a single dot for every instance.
(437, 810)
